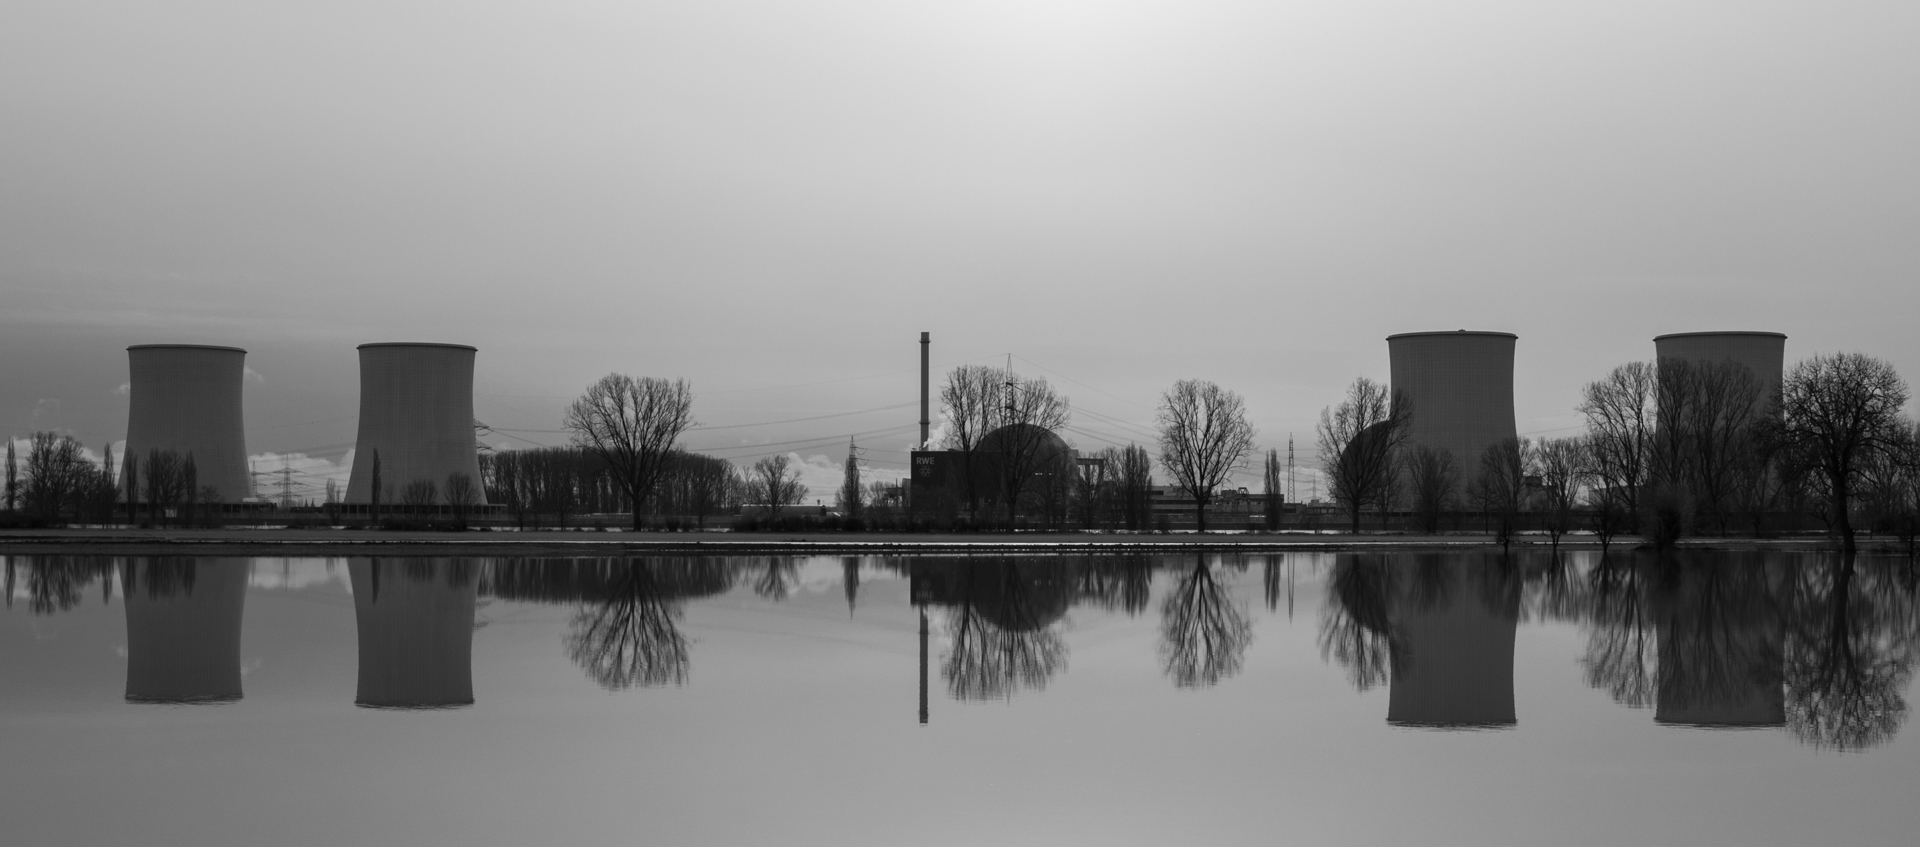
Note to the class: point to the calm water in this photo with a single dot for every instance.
(1298, 698)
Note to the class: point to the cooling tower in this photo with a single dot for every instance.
(1461, 387)
(1453, 633)
(183, 629)
(1764, 353)
(416, 413)
(415, 624)
(186, 398)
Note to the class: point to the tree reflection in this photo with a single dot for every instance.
(1620, 656)
(626, 631)
(1000, 624)
(1203, 635)
(55, 583)
(1850, 654)
(776, 579)
(1355, 630)
(1720, 642)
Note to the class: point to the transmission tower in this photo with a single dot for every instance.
(1292, 496)
(286, 485)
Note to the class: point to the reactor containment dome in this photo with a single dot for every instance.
(186, 398)
(416, 415)
(1461, 387)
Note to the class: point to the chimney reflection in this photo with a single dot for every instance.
(183, 629)
(1453, 628)
(415, 624)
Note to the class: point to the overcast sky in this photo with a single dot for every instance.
(773, 199)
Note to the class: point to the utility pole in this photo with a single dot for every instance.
(1292, 496)
(286, 486)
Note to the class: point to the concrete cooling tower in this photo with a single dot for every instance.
(183, 629)
(416, 413)
(186, 398)
(1454, 646)
(415, 624)
(1764, 353)
(1461, 387)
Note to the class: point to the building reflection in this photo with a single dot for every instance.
(414, 619)
(1438, 630)
(1000, 617)
(183, 628)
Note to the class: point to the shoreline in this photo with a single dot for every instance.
(588, 543)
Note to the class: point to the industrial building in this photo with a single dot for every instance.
(1764, 353)
(186, 398)
(1460, 384)
(416, 415)
(414, 620)
(183, 628)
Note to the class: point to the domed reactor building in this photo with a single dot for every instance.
(1461, 387)
(183, 628)
(185, 398)
(416, 415)
(414, 619)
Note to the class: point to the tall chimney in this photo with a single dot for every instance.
(923, 390)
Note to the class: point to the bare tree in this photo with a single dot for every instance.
(375, 490)
(970, 403)
(1092, 483)
(56, 471)
(1835, 411)
(1133, 484)
(419, 496)
(776, 483)
(1563, 465)
(1433, 478)
(13, 477)
(851, 494)
(1271, 485)
(166, 481)
(1024, 442)
(632, 424)
(1204, 438)
(1358, 440)
(709, 485)
(462, 496)
(1502, 484)
(1620, 413)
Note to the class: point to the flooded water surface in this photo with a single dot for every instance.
(1319, 698)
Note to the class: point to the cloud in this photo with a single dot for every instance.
(47, 407)
(250, 375)
(298, 475)
(124, 389)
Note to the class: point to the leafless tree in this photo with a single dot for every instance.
(376, 490)
(1133, 484)
(1358, 442)
(166, 481)
(56, 471)
(1356, 630)
(13, 477)
(1563, 464)
(417, 496)
(1851, 648)
(632, 425)
(970, 403)
(1620, 413)
(1705, 415)
(1835, 411)
(1271, 488)
(1433, 479)
(1502, 484)
(708, 485)
(1092, 485)
(1204, 438)
(462, 496)
(1024, 442)
(776, 483)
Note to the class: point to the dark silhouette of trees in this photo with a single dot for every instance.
(1501, 487)
(13, 477)
(1356, 630)
(1851, 649)
(1271, 489)
(1620, 413)
(1204, 438)
(632, 425)
(1133, 484)
(626, 633)
(1024, 442)
(851, 496)
(1359, 440)
(776, 579)
(1000, 625)
(1203, 635)
(462, 496)
(1563, 465)
(1434, 480)
(970, 401)
(1836, 411)
(776, 483)
(57, 473)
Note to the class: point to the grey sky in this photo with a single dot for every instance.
(756, 195)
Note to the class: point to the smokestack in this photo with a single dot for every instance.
(923, 390)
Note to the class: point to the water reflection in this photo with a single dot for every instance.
(56, 583)
(183, 629)
(1439, 631)
(1203, 633)
(626, 631)
(414, 619)
(1850, 653)
(1001, 616)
